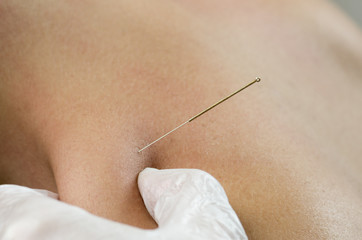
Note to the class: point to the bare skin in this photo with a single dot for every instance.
(85, 84)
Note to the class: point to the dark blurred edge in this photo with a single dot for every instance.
(353, 8)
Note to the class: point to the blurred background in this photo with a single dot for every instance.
(353, 8)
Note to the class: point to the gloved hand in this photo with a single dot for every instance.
(186, 203)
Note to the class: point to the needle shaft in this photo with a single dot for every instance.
(201, 113)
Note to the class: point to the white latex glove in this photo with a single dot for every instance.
(186, 203)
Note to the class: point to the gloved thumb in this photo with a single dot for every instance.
(191, 200)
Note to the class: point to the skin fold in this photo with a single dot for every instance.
(85, 84)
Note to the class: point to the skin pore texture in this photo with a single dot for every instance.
(85, 84)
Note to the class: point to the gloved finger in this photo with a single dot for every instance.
(191, 200)
(13, 198)
(27, 214)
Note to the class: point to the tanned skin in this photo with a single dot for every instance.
(85, 84)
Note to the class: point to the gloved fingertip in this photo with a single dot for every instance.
(154, 183)
(165, 184)
(147, 180)
(191, 198)
(147, 171)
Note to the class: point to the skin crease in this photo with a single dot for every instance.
(85, 84)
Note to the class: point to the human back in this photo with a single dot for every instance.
(109, 77)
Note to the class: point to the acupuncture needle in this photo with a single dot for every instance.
(201, 113)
